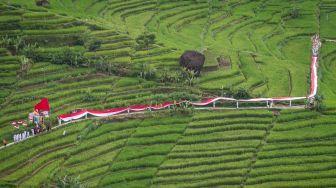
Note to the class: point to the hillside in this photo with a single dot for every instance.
(86, 54)
(206, 149)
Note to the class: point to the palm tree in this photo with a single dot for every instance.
(146, 71)
(189, 77)
(13, 44)
(5, 41)
(18, 43)
(25, 63)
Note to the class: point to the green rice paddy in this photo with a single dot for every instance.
(269, 53)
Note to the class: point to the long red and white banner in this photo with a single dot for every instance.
(114, 111)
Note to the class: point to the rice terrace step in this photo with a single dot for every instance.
(159, 93)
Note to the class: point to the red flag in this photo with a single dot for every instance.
(43, 105)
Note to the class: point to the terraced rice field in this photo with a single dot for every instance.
(259, 37)
(206, 149)
(267, 44)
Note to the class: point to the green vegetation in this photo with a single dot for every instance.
(260, 41)
(224, 148)
(106, 54)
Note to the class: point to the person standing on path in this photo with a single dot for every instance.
(4, 141)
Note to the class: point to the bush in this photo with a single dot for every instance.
(146, 71)
(241, 93)
(188, 77)
(145, 40)
(29, 51)
(317, 104)
(70, 57)
(168, 76)
(13, 44)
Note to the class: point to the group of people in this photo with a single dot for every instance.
(38, 120)
(21, 136)
(316, 44)
(26, 134)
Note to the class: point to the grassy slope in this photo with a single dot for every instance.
(236, 29)
(161, 151)
(328, 54)
(206, 149)
(65, 86)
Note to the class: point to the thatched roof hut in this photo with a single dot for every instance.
(192, 60)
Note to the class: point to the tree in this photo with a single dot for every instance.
(145, 40)
(164, 76)
(18, 44)
(188, 77)
(25, 64)
(146, 71)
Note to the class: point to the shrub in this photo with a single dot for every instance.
(166, 76)
(317, 103)
(188, 77)
(14, 44)
(241, 93)
(145, 40)
(146, 71)
(70, 57)
(29, 51)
